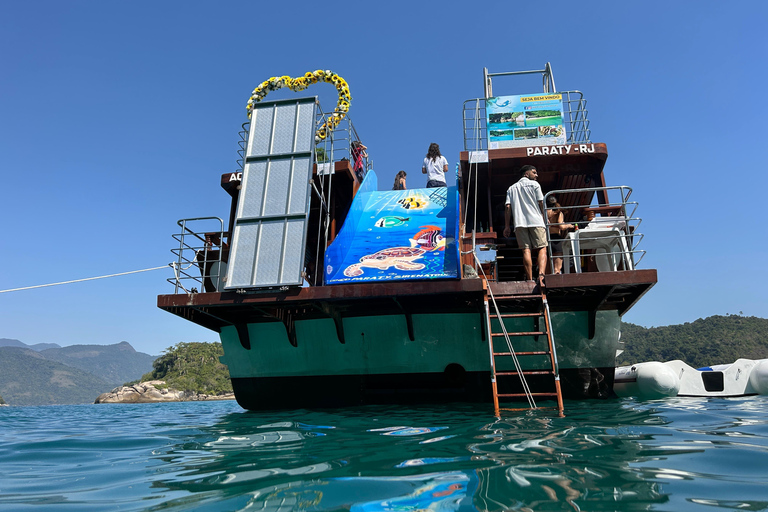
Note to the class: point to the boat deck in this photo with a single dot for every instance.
(596, 291)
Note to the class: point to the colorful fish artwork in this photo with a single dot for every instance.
(429, 239)
(391, 221)
(399, 257)
(413, 202)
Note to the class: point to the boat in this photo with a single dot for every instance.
(653, 379)
(326, 291)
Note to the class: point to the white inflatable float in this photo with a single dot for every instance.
(675, 378)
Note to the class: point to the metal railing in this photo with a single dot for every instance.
(338, 144)
(575, 121)
(606, 232)
(242, 145)
(198, 266)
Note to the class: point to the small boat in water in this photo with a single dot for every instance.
(675, 378)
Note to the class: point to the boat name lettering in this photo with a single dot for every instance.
(236, 176)
(560, 150)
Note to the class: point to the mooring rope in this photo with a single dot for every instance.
(84, 279)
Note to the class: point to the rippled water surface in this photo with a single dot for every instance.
(675, 454)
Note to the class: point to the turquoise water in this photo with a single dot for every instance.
(674, 454)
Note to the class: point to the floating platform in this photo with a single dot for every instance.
(675, 378)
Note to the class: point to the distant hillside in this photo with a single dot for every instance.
(7, 342)
(708, 341)
(116, 364)
(28, 378)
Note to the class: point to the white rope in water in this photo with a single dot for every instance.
(81, 280)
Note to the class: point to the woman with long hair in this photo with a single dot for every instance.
(399, 181)
(435, 166)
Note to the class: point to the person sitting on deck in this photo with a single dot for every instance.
(557, 231)
(528, 202)
(358, 150)
(435, 166)
(400, 181)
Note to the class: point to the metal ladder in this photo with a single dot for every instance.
(535, 306)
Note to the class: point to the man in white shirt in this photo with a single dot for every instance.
(527, 201)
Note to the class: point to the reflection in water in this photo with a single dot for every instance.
(602, 456)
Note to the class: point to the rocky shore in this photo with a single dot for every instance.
(154, 391)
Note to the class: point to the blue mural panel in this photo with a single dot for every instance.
(396, 235)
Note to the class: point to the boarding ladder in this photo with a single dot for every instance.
(532, 306)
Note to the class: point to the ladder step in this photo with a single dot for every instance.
(528, 372)
(518, 395)
(519, 315)
(522, 409)
(532, 333)
(517, 297)
(534, 353)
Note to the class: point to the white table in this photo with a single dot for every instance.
(609, 243)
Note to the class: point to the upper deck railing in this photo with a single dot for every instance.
(200, 255)
(474, 119)
(593, 237)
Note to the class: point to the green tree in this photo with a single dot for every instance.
(192, 367)
(713, 340)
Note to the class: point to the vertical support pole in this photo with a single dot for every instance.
(553, 358)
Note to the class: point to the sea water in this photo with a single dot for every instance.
(674, 454)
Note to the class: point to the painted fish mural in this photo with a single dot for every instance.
(413, 202)
(399, 257)
(429, 238)
(394, 235)
(391, 221)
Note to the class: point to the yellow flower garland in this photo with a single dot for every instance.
(301, 83)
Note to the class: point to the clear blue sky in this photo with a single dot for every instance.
(118, 118)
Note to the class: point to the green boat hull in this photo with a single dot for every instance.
(448, 358)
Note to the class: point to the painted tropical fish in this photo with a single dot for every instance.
(413, 202)
(429, 239)
(399, 257)
(391, 221)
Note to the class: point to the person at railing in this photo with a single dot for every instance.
(527, 201)
(358, 150)
(399, 181)
(557, 231)
(435, 166)
(208, 256)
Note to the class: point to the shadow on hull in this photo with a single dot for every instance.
(453, 385)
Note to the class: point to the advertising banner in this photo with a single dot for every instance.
(525, 120)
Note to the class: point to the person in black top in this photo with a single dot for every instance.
(399, 181)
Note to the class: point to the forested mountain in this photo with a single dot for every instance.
(8, 342)
(68, 375)
(28, 378)
(708, 341)
(116, 364)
